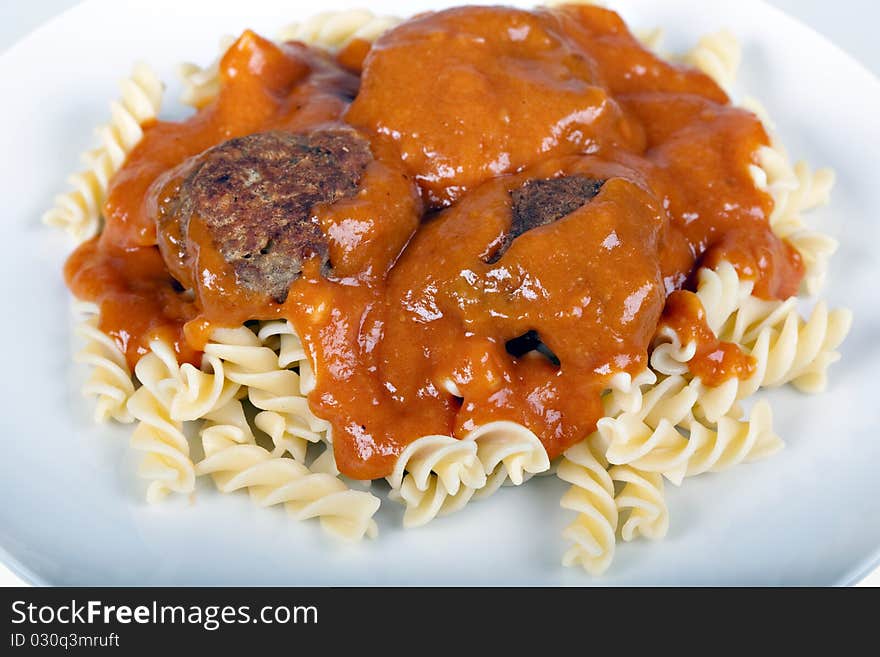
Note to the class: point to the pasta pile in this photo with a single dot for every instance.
(257, 432)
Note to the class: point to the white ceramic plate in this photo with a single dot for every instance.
(72, 510)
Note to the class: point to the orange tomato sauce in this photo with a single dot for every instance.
(408, 334)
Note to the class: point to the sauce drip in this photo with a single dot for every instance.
(409, 333)
(715, 361)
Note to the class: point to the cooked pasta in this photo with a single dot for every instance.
(226, 425)
(640, 504)
(166, 463)
(79, 211)
(591, 496)
(719, 56)
(731, 441)
(272, 480)
(666, 437)
(512, 448)
(786, 348)
(201, 391)
(110, 379)
(425, 504)
(430, 470)
(795, 190)
(342, 312)
(334, 29)
(284, 412)
(201, 85)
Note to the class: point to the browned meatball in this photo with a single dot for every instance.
(255, 196)
(541, 202)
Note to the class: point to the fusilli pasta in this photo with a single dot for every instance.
(795, 190)
(167, 464)
(284, 412)
(785, 347)
(666, 437)
(640, 504)
(431, 468)
(201, 85)
(110, 379)
(719, 56)
(79, 211)
(272, 480)
(591, 496)
(334, 29)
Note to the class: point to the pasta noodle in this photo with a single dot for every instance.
(786, 348)
(272, 480)
(591, 496)
(285, 415)
(625, 391)
(334, 29)
(512, 448)
(201, 391)
(167, 464)
(719, 56)
(432, 468)
(665, 437)
(732, 441)
(795, 190)
(640, 504)
(425, 504)
(200, 85)
(436, 475)
(110, 380)
(79, 211)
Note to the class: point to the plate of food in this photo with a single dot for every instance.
(439, 295)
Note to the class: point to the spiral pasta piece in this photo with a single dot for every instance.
(719, 56)
(670, 356)
(625, 391)
(434, 501)
(795, 189)
(201, 391)
(732, 441)
(591, 496)
(201, 85)
(510, 448)
(285, 414)
(281, 337)
(797, 351)
(648, 439)
(721, 293)
(167, 464)
(432, 468)
(273, 480)
(334, 29)
(227, 423)
(79, 211)
(786, 348)
(110, 380)
(665, 437)
(640, 503)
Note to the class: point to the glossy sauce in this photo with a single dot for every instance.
(408, 334)
(715, 361)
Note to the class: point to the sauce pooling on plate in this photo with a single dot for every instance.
(480, 217)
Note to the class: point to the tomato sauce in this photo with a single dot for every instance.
(409, 334)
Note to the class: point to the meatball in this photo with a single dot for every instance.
(255, 194)
(541, 202)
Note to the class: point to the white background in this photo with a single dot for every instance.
(849, 23)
